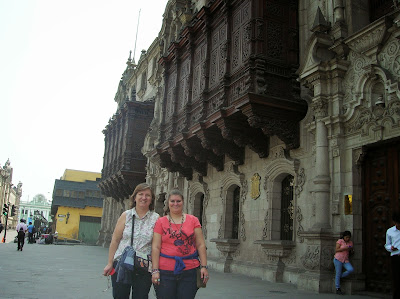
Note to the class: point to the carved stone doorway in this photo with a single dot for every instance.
(381, 188)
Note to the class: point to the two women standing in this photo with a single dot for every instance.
(177, 244)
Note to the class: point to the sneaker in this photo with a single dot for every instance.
(339, 292)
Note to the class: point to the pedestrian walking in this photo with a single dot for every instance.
(393, 245)
(341, 260)
(21, 230)
(31, 229)
(142, 206)
(178, 243)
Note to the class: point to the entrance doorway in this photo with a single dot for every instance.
(380, 197)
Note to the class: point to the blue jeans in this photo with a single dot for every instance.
(339, 274)
(140, 286)
(180, 286)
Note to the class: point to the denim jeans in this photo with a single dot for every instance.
(395, 261)
(140, 286)
(180, 286)
(339, 268)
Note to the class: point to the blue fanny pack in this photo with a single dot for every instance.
(179, 264)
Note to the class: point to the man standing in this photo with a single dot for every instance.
(21, 229)
(30, 233)
(392, 245)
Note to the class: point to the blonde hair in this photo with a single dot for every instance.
(173, 192)
(139, 188)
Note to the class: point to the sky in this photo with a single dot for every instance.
(60, 65)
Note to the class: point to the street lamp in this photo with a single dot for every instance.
(6, 175)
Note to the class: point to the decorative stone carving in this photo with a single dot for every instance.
(220, 230)
(265, 234)
(276, 248)
(326, 257)
(367, 41)
(205, 204)
(291, 259)
(277, 152)
(389, 58)
(255, 186)
(310, 259)
(320, 107)
(335, 204)
(227, 247)
(300, 181)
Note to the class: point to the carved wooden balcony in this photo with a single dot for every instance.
(230, 83)
(124, 164)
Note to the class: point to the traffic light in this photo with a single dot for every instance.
(5, 210)
(13, 210)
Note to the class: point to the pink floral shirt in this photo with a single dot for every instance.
(343, 256)
(142, 235)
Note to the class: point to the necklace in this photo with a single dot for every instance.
(170, 218)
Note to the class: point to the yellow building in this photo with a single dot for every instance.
(77, 206)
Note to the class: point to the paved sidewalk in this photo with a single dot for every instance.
(63, 271)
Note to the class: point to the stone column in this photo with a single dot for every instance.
(110, 222)
(100, 240)
(317, 259)
(322, 178)
(338, 10)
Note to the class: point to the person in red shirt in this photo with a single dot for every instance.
(341, 260)
(178, 243)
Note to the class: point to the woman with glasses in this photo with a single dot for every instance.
(142, 203)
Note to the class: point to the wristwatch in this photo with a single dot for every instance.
(201, 266)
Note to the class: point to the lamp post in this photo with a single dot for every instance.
(8, 212)
(6, 176)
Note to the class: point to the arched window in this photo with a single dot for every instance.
(287, 208)
(199, 206)
(235, 216)
(231, 230)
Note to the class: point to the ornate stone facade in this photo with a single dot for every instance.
(232, 125)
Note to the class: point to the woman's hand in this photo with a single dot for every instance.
(107, 269)
(204, 275)
(155, 278)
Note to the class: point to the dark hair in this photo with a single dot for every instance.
(346, 233)
(30, 222)
(172, 192)
(396, 216)
(139, 188)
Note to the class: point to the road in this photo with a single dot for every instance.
(65, 271)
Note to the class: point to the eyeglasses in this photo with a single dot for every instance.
(108, 283)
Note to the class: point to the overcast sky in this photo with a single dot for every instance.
(60, 64)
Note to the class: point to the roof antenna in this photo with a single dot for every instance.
(137, 29)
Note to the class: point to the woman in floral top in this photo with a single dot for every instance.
(142, 202)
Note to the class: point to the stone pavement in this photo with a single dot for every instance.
(66, 271)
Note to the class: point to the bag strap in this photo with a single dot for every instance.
(133, 227)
